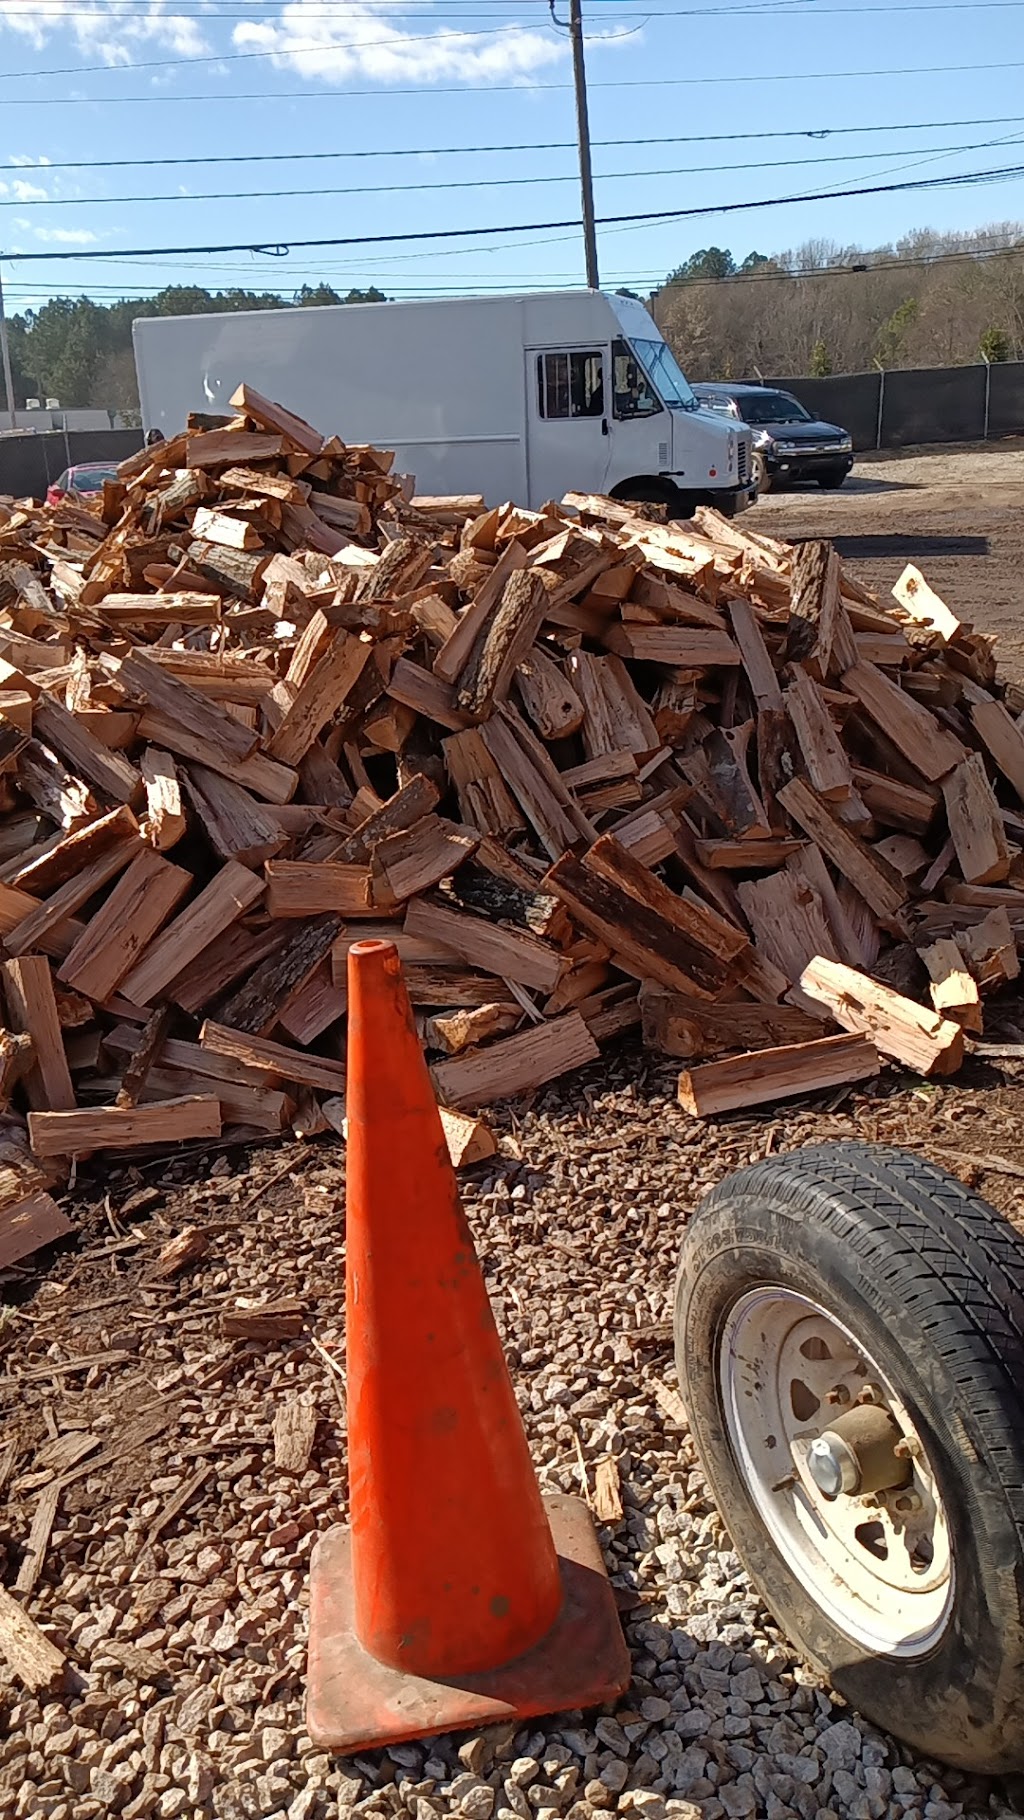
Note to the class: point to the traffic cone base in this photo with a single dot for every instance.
(356, 1703)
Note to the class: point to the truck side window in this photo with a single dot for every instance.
(570, 385)
(632, 388)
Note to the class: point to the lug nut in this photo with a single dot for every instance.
(870, 1393)
(838, 1395)
(907, 1503)
(909, 1448)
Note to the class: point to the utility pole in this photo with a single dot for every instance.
(575, 29)
(5, 356)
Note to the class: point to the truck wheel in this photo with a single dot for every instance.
(832, 477)
(763, 481)
(850, 1342)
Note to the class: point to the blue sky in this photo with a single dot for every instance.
(92, 80)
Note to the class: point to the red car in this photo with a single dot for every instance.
(82, 482)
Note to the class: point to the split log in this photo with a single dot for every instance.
(295, 888)
(718, 771)
(479, 942)
(231, 892)
(975, 823)
(254, 1006)
(168, 1122)
(416, 858)
(918, 1038)
(116, 936)
(484, 800)
(401, 811)
(164, 821)
(25, 1227)
(953, 992)
(930, 748)
(990, 950)
(879, 884)
(548, 699)
(684, 1027)
(32, 1009)
(827, 764)
(207, 721)
(923, 606)
(505, 640)
(275, 1058)
(239, 829)
(515, 1064)
(776, 1074)
(308, 708)
(454, 1031)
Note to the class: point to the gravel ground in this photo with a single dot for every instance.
(188, 1645)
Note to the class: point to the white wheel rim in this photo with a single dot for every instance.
(882, 1573)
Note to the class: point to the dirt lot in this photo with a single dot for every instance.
(957, 513)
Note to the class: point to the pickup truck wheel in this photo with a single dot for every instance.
(832, 477)
(763, 481)
(850, 1345)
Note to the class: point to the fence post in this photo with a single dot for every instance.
(881, 403)
(988, 392)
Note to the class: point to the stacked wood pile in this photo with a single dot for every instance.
(589, 770)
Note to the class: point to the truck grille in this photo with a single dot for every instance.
(742, 458)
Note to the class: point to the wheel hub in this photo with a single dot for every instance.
(832, 1460)
(856, 1454)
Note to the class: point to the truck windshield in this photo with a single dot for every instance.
(771, 407)
(665, 373)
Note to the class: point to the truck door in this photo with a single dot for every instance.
(568, 441)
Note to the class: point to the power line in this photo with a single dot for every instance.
(505, 88)
(773, 8)
(539, 145)
(485, 183)
(398, 39)
(775, 276)
(281, 249)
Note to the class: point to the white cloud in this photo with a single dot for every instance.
(25, 159)
(111, 31)
(26, 192)
(362, 42)
(67, 236)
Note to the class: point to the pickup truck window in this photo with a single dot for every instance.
(570, 385)
(633, 394)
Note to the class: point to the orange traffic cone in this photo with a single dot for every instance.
(458, 1596)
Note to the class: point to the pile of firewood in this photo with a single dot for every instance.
(588, 769)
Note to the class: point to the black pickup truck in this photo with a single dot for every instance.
(789, 444)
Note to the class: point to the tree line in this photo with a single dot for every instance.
(929, 300)
(80, 352)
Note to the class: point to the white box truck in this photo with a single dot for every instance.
(521, 398)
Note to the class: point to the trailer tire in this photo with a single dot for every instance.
(883, 1259)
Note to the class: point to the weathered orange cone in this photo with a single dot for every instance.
(458, 1596)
